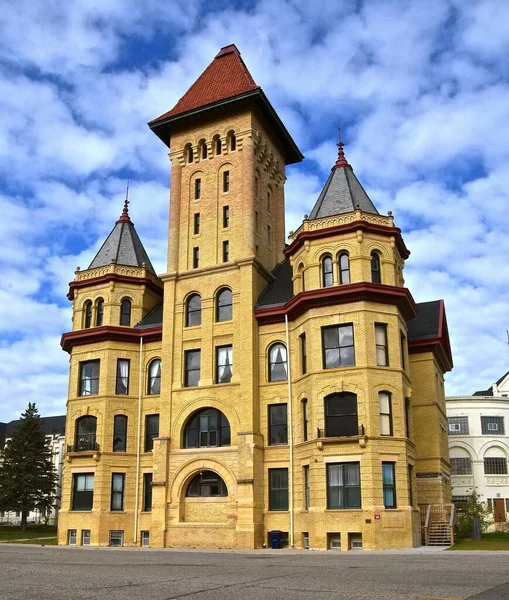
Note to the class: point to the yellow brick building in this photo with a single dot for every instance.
(255, 386)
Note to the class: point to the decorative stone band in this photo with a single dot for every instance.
(354, 222)
(151, 282)
(109, 333)
(344, 294)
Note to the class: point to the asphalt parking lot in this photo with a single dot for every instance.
(53, 573)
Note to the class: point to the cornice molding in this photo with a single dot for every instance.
(110, 333)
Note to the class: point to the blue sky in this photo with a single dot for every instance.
(421, 89)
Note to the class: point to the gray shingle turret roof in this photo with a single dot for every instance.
(342, 192)
(122, 246)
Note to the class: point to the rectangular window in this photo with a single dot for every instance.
(407, 417)
(226, 251)
(257, 186)
(389, 484)
(119, 433)
(116, 538)
(151, 431)
(268, 202)
(343, 485)
(278, 489)
(147, 492)
(226, 181)
(495, 466)
(384, 400)
(89, 378)
(82, 491)
(402, 339)
(382, 353)
(85, 537)
(224, 364)
(72, 535)
(492, 425)
(256, 221)
(117, 491)
(226, 216)
(461, 466)
(278, 428)
(303, 354)
(197, 189)
(457, 425)
(196, 257)
(192, 361)
(145, 538)
(196, 224)
(307, 489)
(338, 346)
(122, 383)
(305, 420)
(269, 236)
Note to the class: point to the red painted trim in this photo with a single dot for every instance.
(110, 333)
(302, 236)
(116, 277)
(437, 346)
(339, 294)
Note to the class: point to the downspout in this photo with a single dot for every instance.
(290, 432)
(138, 447)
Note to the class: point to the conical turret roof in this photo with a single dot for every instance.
(342, 192)
(123, 246)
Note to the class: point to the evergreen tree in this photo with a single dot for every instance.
(27, 475)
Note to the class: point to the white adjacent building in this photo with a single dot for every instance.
(54, 430)
(479, 447)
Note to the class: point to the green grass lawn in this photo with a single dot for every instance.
(34, 533)
(488, 541)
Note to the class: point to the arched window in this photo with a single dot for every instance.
(278, 366)
(376, 276)
(207, 484)
(302, 278)
(99, 312)
(461, 462)
(86, 428)
(207, 428)
(224, 307)
(217, 146)
(190, 154)
(344, 267)
(341, 415)
(154, 377)
(233, 142)
(193, 310)
(204, 149)
(88, 314)
(125, 312)
(327, 278)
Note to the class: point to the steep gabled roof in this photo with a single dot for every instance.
(224, 82)
(342, 192)
(489, 391)
(50, 426)
(122, 246)
(226, 76)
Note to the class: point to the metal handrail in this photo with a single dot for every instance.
(82, 447)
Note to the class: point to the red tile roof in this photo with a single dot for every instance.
(226, 77)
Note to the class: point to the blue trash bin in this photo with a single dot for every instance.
(275, 540)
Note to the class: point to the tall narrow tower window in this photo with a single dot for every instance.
(190, 155)
(88, 314)
(303, 354)
(344, 268)
(268, 202)
(269, 236)
(197, 189)
(384, 400)
(382, 352)
(226, 181)
(327, 277)
(193, 310)
(99, 312)
(204, 150)
(226, 216)
(226, 251)
(278, 366)
(218, 146)
(233, 142)
(224, 364)
(196, 224)
(154, 377)
(125, 312)
(375, 268)
(196, 257)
